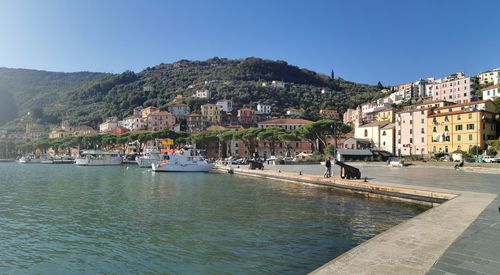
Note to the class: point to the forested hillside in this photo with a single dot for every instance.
(88, 98)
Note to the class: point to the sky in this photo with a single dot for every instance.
(391, 41)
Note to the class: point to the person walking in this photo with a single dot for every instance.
(328, 168)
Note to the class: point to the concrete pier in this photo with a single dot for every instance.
(427, 243)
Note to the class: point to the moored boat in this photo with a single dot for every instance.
(98, 158)
(185, 160)
(150, 156)
(29, 159)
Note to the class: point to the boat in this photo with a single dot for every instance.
(184, 160)
(396, 162)
(98, 158)
(29, 159)
(150, 156)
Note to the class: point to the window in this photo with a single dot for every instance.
(422, 121)
(383, 133)
(470, 136)
(446, 128)
(434, 129)
(470, 126)
(458, 117)
(411, 140)
(422, 131)
(411, 121)
(423, 140)
(458, 127)
(459, 138)
(470, 115)
(411, 131)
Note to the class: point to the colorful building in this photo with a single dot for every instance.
(211, 113)
(179, 110)
(289, 124)
(461, 126)
(456, 88)
(246, 116)
(491, 92)
(160, 120)
(329, 113)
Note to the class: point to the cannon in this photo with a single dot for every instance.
(347, 171)
(254, 164)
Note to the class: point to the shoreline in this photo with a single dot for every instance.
(412, 247)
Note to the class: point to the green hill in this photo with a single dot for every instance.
(90, 97)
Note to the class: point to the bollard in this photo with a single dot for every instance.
(366, 179)
(279, 170)
(300, 173)
(238, 167)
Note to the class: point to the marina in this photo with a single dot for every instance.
(118, 218)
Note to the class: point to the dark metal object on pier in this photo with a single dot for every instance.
(347, 171)
(254, 164)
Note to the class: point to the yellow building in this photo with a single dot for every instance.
(461, 126)
(386, 115)
(211, 113)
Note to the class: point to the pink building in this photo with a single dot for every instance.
(353, 117)
(246, 116)
(411, 127)
(456, 88)
(160, 120)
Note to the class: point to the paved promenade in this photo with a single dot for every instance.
(476, 250)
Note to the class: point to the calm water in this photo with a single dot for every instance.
(62, 219)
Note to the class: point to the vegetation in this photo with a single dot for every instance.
(88, 98)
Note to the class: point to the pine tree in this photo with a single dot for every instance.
(333, 75)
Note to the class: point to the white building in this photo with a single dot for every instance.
(292, 112)
(108, 125)
(179, 110)
(278, 84)
(204, 93)
(491, 92)
(489, 77)
(225, 105)
(263, 109)
(381, 135)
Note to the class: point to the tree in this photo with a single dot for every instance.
(379, 85)
(332, 75)
(317, 132)
(273, 135)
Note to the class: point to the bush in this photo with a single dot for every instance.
(438, 155)
(475, 150)
(491, 152)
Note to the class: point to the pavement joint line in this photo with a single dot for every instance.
(412, 247)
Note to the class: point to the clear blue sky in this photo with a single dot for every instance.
(364, 41)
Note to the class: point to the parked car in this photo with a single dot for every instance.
(396, 162)
(489, 159)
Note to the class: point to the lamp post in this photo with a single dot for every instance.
(334, 128)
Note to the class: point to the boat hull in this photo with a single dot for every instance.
(146, 163)
(199, 167)
(98, 162)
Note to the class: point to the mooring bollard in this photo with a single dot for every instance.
(279, 170)
(366, 179)
(300, 173)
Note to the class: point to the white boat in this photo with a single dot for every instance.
(98, 158)
(150, 156)
(186, 160)
(29, 159)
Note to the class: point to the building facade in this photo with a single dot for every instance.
(289, 124)
(246, 116)
(263, 109)
(329, 113)
(203, 93)
(160, 120)
(489, 77)
(461, 126)
(225, 105)
(381, 135)
(456, 88)
(491, 92)
(211, 113)
(195, 123)
(180, 110)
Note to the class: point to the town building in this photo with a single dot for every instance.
(246, 116)
(84, 130)
(380, 133)
(146, 111)
(179, 110)
(489, 77)
(457, 88)
(263, 109)
(411, 131)
(353, 117)
(491, 92)
(108, 125)
(289, 124)
(195, 123)
(357, 143)
(225, 105)
(461, 126)
(160, 120)
(387, 114)
(203, 93)
(278, 84)
(329, 113)
(35, 131)
(211, 113)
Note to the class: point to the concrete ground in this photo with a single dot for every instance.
(476, 251)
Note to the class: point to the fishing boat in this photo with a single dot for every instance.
(184, 160)
(29, 159)
(150, 156)
(98, 158)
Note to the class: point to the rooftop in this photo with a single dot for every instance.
(286, 121)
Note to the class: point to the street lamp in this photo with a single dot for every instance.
(334, 128)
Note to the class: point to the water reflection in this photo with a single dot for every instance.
(65, 219)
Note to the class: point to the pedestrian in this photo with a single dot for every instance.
(328, 168)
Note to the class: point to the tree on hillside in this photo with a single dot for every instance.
(317, 132)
